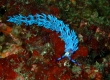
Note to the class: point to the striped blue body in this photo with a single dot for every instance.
(52, 23)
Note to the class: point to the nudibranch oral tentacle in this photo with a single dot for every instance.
(52, 23)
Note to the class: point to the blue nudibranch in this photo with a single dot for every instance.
(52, 23)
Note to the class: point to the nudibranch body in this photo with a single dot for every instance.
(52, 23)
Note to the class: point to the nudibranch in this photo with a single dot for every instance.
(52, 23)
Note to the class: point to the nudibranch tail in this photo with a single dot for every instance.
(52, 23)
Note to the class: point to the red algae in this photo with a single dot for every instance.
(58, 44)
(54, 10)
(6, 71)
(81, 52)
(59, 73)
(51, 77)
(35, 53)
(9, 74)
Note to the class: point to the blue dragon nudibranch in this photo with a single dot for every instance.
(52, 23)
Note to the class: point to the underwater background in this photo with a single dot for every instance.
(54, 39)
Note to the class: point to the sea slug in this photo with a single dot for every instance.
(52, 23)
